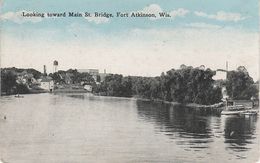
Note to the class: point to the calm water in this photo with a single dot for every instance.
(78, 128)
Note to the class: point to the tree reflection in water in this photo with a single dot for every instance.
(192, 129)
(178, 122)
(239, 131)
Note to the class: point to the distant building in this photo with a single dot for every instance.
(25, 78)
(55, 66)
(245, 103)
(93, 72)
(90, 71)
(224, 93)
(202, 67)
(88, 88)
(46, 83)
(220, 78)
(220, 74)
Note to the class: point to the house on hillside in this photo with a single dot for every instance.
(26, 79)
(46, 83)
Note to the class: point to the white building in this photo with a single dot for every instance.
(46, 83)
(220, 75)
(88, 88)
(90, 71)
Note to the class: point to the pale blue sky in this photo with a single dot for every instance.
(247, 8)
(220, 29)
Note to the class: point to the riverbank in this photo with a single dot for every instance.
(191, 105)
(70, 90)
(214, 109)
(194, 105)
(37, 91)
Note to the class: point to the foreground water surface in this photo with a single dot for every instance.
(79, 128)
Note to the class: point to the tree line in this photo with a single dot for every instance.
(240, 86)
(183, 85)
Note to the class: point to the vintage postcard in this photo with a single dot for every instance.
(129, 81)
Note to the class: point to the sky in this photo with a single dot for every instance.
(199, 32)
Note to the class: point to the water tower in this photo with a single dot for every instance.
(55, 66)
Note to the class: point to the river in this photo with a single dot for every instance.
(75, 128)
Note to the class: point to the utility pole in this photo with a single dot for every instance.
(226, 69)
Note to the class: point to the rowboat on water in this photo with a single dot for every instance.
(18, 96)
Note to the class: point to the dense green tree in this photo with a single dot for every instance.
(74, 75)
(113, 84)
(36, 74)
(188, 84)
(98, 78)
(8, 81)
(240, 85)
(21, 88)
(57, 77)
(9, 77)
(86, 78)
(126, 87)
(184, 85)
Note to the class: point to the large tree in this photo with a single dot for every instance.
(240, 85)
(191, 85)
(8, 81)
(184, 85)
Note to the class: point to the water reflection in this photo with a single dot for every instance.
(239, 132)
(195, 130)
(178, 123)
(109, 129)
(175, 119)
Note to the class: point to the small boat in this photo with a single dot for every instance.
(239, 110)
(18, 96)
(232, 109)
(249, 112)
(231, 112)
